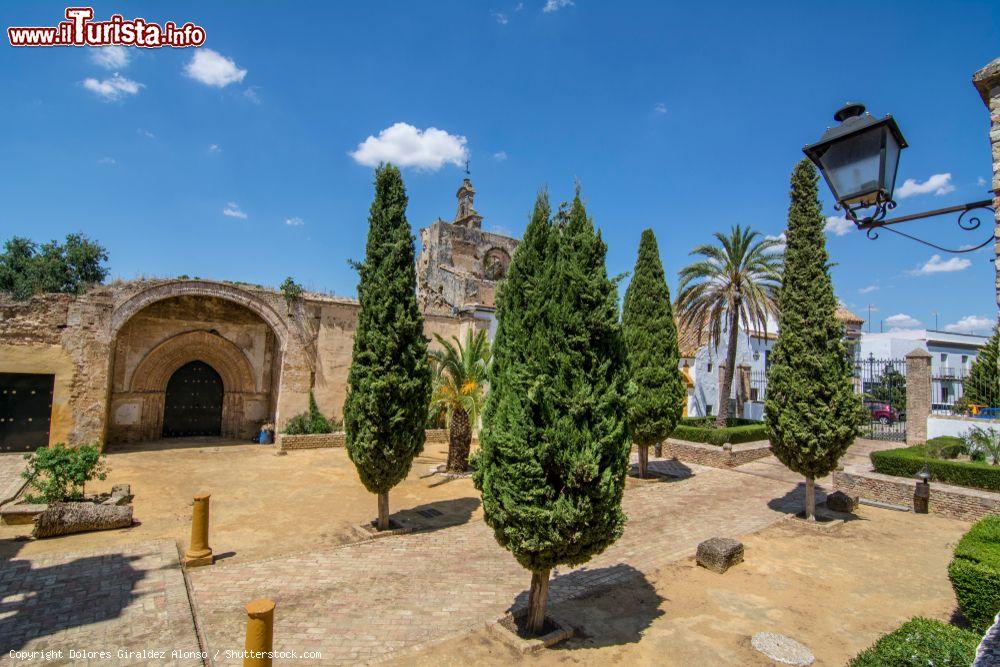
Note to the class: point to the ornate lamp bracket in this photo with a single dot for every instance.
(873, 223)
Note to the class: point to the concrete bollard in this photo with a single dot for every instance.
(199, 553)
(922, 492)
(260, 634)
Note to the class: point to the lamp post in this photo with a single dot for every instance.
(859, 159)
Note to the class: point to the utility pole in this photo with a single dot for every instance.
(935, 320)
(870, 307)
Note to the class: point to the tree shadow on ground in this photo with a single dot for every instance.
(437, 515)
(38, 602)
(794, 502)
(661, 470)
(606, 606)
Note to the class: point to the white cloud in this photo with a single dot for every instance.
(233, 210)
(500, 17)
(902, 321)
(981, 182)
(500, 156)
(555, 5)
(214, 148)
(294, 222)
(145, 133)
(107, 160)
(936, 265)
(406, 146)
(660, 107)
(113, 88)
(972, 324)
(110, 57)
(519, 7)
(939, 184)
(252, 94)
(781, 238)
(838, 225)
(868, 290)
(213, 69)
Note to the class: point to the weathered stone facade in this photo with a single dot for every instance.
(987, 82)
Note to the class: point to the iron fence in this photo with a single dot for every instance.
(881, 383)
(957, 392)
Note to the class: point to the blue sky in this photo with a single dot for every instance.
(687, 119)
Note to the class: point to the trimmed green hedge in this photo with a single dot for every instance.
(921, 641)
(720, 436)
(908, 461)
(975, 572)
(710, 421)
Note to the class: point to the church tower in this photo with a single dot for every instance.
(466, 215)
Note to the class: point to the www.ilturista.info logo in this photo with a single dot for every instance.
(80, 30)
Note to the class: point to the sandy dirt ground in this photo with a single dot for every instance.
(835, 589)
(256, 497)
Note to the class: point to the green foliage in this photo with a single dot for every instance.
(719, 436)
(890, 388)
(811, 410)
(555, 442)
(921, 642)
(946, 447)
(27, 268)
(985, 440)
(734, 283)
(982, 386)
(459, 375)
(961, 406)
(59, 473)
(657, 390)
(310, 422)
(710, 422)
(389, 383)
(975, 572)
(908, 461)
(291, 290)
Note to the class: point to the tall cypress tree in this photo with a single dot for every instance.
(982, 387)
(389, 383)
(554, 444)
(650, 336)
(812, 412)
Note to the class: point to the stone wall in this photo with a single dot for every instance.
(715, 457)
(955, 502)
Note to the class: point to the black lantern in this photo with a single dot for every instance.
(858, 159)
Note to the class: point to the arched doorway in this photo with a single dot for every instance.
(193, 401)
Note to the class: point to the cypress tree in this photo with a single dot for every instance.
(554, 444)
(982, 387)
(811, 410)
(650, 335)
(389, 383)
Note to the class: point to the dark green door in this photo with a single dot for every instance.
(193, 403)
(25, 411)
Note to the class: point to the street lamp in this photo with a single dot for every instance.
(859, 159)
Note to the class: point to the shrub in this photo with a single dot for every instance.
(921, 641)
(908, 461)
(975, 572)
(719, 436)
(985, 440)
(310, 422)
(709, 422)
(59, 473)
(947, 447)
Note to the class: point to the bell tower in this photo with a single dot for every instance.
(466, 215)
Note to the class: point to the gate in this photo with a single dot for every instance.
(25, 411)
(882, 386)
(193, 402)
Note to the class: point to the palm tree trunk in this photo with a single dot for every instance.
(538, 595)
(459, 441)
(729, 369)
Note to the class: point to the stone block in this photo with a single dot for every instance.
(719, 553)
(838, 501)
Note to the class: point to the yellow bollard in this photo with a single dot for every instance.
(199, 553)
(260, 634)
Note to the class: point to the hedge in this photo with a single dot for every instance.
(710, 421)
(908, 461)
(921, 641)
(975, 573)
(720, 436)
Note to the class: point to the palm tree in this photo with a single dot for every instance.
(460, 390)
(735, 282)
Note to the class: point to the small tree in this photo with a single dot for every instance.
(459, 372)
(555, 443)
(982, 386)
(650, 334)
(389, 383)
(811, 410)
(292, 291)
(27, 269)
(59, 473)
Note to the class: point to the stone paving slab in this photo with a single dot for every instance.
(118, 599)
(373, 600)
(11, 482)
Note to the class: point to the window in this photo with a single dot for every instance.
(965, 359)
(754, 394)
(710, 367)
(708, 410)
(944, 357)
(495, 264)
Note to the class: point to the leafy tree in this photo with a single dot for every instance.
(889, 388)
(389, 383)
(459, 372)
(982, 386)
(811, 410)
(555, 443)
(650, 336)
(27, 268)
(734, 283)
(292, 291)
(59, 473)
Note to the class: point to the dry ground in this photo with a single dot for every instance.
(262, 504)
(834, 589)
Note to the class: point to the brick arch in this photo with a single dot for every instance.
(154, 371)
(125, 310)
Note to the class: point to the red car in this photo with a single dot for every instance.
(883, 413)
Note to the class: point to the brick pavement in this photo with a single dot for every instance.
(11, 467)
(373, 600)
(130, 599)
